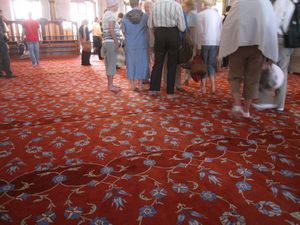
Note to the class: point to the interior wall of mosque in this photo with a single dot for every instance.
(62, 10)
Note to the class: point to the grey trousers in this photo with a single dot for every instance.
(283, 63)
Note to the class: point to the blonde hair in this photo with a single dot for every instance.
(147, 6)
(148, 3)
(189, 3)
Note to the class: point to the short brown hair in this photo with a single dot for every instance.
(134, 3)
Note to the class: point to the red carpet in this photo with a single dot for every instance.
(73, 153)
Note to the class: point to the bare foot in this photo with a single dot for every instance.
(114, 89)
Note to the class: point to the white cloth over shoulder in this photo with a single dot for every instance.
(250, 22)
(284, 10)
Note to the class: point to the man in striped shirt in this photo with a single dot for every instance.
(167, 20)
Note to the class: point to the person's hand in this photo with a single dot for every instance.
(269, 62)
(117, 46)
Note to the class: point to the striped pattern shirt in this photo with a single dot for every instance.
(167, 13)
(108, 17)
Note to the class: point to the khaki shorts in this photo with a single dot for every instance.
(245, 66)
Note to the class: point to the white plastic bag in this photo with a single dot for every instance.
(121, 57)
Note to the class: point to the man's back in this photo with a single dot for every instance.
(31, 30)
(167, 13)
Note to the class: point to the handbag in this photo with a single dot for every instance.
(198, 68)
(272, 77)
(86, 46)
(185, 49)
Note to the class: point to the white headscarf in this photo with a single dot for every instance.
(250, 22)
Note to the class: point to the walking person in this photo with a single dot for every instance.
(84, 37)
(190, 12)
(97, 39)
(248, 46)
(31, 34)
(210, 25)
(167, 19)
(284, 10)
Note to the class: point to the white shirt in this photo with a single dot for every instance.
(167, 13)
(250, 22)
(209, 27)
(284, 10)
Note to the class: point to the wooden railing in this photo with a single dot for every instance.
(58, 37)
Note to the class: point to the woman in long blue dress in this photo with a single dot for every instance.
(135, 29)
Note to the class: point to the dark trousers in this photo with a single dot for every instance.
(4, 58)
(166, 42)
(97, 44)
(85, 58)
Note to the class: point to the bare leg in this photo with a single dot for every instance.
(237, 109)
(141, 85)
(212, 83)
(132, 85)
(236, 99)
(203, 85)
(110, 85)
(247, 105)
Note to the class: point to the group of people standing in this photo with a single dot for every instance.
(248, 37)
(152, 40)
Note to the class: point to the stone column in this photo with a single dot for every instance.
(52, 10)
